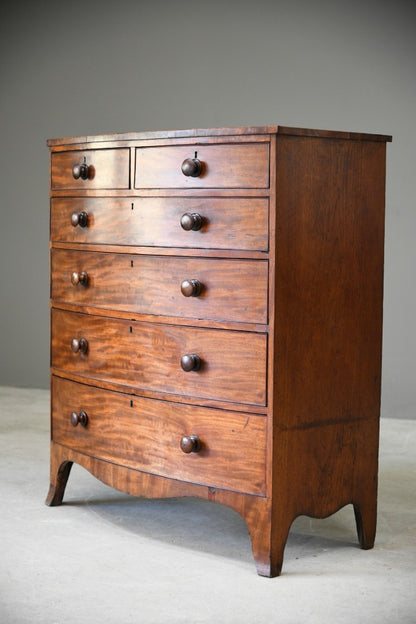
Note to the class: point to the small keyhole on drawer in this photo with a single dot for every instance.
(131, 263)
(196, 154)
(131, 403)
(132, 206)
(131, 329)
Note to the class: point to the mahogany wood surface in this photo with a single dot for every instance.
(148, 355)
(242, 165)
(329, 280)
(231, 290)
(108, 169)
(227, 223)
(218, 334)
(145, 434)
(196, 133)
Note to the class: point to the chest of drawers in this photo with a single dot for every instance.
(216, 320)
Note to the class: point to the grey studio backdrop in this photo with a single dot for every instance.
(70, 68)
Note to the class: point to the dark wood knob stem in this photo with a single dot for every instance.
(80, 219)
(79, 419)
(192, 167)
(79, 346)
(191, 288)
(79, 278)
(80, 171)
(190, 444)
(191, 221)
(190, 362)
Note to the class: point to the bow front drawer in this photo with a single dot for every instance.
(186, 222)
(187, 361)
(91, 169)
(213, 289)
(147, 434)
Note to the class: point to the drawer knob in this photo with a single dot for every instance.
(191, 221)
(79, 278)
(192, 167)
(191, 288)
(80, 219)
(190, 362)
(80, 171)
(190, 444)
(79, 346)
(79, 419)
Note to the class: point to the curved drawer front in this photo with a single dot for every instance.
(149, 356)
(230, 290)
(238, 165)
(106, 169)
(145, 434)
(226, 223)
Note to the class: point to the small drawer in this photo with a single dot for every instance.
(237, 165)
(91, 169)
(208, 288)
(186, 361)
(146, 434)
(204, 223)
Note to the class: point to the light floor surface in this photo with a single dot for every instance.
(105, 557)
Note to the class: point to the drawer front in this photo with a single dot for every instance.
(240, 165)
(106, 169)
(226, 223)
(149, 355)
(145, 434)
(230, 290)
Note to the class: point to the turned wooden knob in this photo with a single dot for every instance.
(80, 219)
(191, 288)
(192, 167)
(79, 278)
(190, 362)
(80, 171)
(79, 346)
(81, 419)
(191, 221)
(190, 444)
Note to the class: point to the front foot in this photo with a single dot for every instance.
(58, 483)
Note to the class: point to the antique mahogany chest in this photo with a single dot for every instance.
(216, 320)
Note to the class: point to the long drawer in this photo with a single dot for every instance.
(229, 290)
(104, 169)
(238, 165)
(220, 223)
(145, 434)
(227, 365)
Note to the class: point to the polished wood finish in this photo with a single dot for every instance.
(227, 222)
(107, 169)
(148, 355)
(147, 435)
(229, 133)
(243, 165)
(229, 289)
(216, 332)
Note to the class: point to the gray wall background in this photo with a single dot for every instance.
(96, 67)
